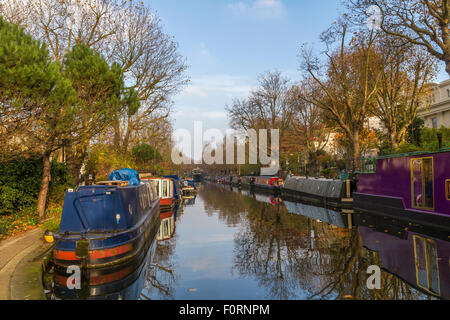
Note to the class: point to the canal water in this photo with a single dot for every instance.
(230, 244)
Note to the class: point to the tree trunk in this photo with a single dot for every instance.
(393, 139)
(74, 160)
(126, 139)
(356, 150)
(117, 133)
(46, 177)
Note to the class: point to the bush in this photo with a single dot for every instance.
(19, 220)
(20, 182)
(430, 141)
(51, 225)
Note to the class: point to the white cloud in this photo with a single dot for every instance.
(262, 9)
(219, 84)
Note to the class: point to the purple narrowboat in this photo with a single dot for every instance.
(413, 187)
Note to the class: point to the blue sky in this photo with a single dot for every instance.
(228, 43)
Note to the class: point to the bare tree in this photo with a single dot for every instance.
(266, 108)
(423, 23)
(309, 122)
(404, 86)
(348, 81)
(124, 32)
(152, 66)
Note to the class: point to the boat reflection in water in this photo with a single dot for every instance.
(162, 274)
(421, 259)
(121, 282)
(260, 197)
(189, 201)
(318, 213)
(267, 251)
(167, 227)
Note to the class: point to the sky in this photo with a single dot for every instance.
(228, 43)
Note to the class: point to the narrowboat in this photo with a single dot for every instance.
(197, 175)
(236, 181)
(320, 192)
(188, 187)
(264, 183)
(165, 188)
(414, 187)
(177, 185)
(419, 258)
(106, 224)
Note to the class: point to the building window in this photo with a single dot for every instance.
(448, 93)
(434, 123)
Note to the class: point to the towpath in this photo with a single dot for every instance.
(19, 268)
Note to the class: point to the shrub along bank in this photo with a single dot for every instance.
(19, 189)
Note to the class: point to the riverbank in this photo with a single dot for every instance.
(20, 266)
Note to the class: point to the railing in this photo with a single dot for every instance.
(368, 165)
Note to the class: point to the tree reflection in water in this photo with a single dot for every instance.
(290, 256)
(294, 257)
(162, 277)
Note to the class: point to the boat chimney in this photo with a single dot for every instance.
(439, 136)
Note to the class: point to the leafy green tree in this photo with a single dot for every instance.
(429, 138)
(100, 96)
(53, 105)
(414, 131)
(145, 154)
(37, 101)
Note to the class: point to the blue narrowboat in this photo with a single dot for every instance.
(197, 174)
(188, 187)
(106, 224)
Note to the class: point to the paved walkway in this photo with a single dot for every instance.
(15, 254)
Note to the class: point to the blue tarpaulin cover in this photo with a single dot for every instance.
(126, 174)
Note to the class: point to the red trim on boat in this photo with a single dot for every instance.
(95, 281)
(93, 255)
(99, 280)
(165, 215)
(166, 202)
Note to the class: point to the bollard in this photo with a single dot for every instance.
(347, 182)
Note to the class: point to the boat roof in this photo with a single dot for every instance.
(409, 154)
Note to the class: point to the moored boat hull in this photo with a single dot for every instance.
(104, 225)
(413, 187)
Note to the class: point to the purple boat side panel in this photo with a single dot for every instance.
(393, 179)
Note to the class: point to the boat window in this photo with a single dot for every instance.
(165, 189)
(158, 188)
(427, 268)
(422, 183)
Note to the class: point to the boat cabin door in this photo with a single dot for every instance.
(422, 183)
